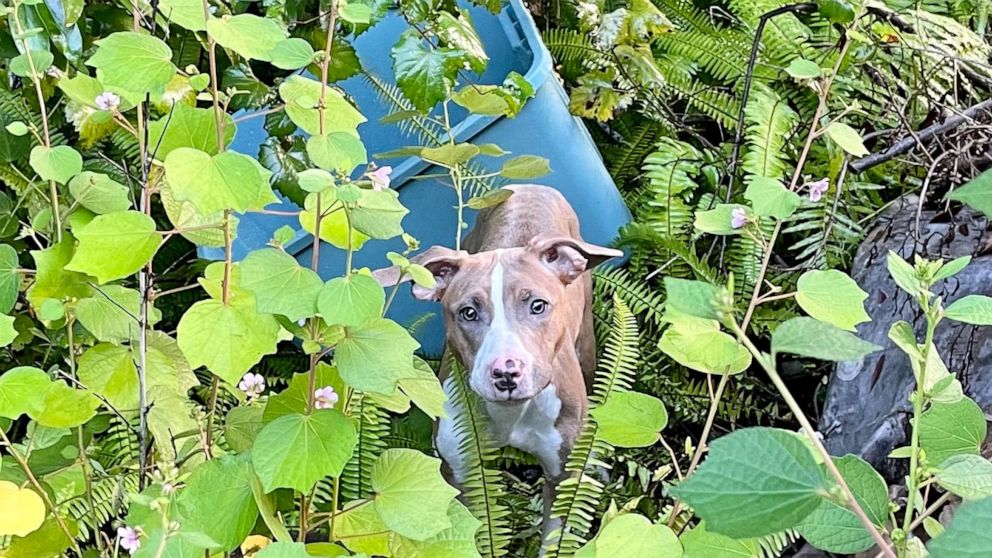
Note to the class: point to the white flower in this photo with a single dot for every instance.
(107, 101)
(129, 539)
(325, 398)
(252, 384)
(380, 178)
(738, 217)
(817, 189)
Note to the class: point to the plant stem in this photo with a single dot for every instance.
(810, 433)
(52, 188)
(912, 481)
(41, 491)
(212, 410)
(703, 437)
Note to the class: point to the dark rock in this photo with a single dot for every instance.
(867, 404)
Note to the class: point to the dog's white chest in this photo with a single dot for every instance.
(530, 427)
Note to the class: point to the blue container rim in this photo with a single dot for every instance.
(540, 70)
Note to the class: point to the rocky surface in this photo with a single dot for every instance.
(867, 402)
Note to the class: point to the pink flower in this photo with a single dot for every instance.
(816, 189)
(129, 539)
(252, 384)
(107, 101)
(380, 178)
(325, 398)
(738, 217)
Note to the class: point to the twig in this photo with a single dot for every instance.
(906, 144)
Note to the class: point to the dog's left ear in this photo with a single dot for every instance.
(569, 258)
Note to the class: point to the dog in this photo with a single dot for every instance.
(517, 307)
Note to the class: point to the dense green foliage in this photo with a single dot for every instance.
(155, 404)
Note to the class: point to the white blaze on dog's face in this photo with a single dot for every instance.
(504, 310)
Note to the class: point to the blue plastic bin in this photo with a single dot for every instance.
(544, 127)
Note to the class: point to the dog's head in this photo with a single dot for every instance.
(505, 311)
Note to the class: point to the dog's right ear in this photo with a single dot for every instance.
(442, 262)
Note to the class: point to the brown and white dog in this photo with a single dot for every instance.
(517, 313)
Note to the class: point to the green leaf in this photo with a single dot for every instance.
(832, 296)
(457, 541)
(280, 284)
(424, 74)
(111, 314)
(351, 300)
(815, 339)
(976, 193)
(227, 339)
(835, 528)
(218, 502)
(59, 163)
(968, 535)
(10, 278)
(695, 298)
(8, 333)
(424, 389)
(491, 198)
(411, 496)
(968, 476)
(631, 534)
(457, 32)
(336, 151)
(115, 245)
(99, 193)
(361, 526)
(51, 310)
(701, 543)
(948, 429)
(249, 35)
(65, 407)
(836, 11)
(241, 427)
(52, 280)
(847, 138)
(297, 450)
(630, 419)
(951, 268)
(718, 220)
(770, 198)
(110, 371)
(291, 54)
(283, 550)
(188, 126)
(302, 96)
(356, 13)
(449, 155)
(333, 226)
(17, 128)
(184, 13)
(22, 391)
(31, 64)
(903, 274)
(800, 68)
(525, 167)
(315, 180)
(972, 309)
(772, 470)
(228, 180)
(373, 356)
(135, 62)
(705, 350)
(379, 214)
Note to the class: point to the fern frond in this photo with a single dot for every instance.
(109, 501)
(372, 425)
(635, 293)
(581, 495)
(482, 486)
(769, 122)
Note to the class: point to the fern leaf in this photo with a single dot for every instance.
(373, 427)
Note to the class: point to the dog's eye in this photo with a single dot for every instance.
(468, 314)
(538, 306)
